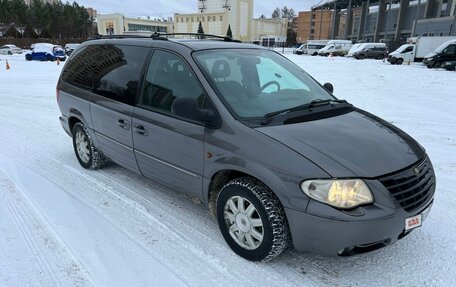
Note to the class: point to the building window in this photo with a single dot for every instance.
(177, 20)
(213, 18)
(313, 16)
(187, 19)
(197, 19)
(146, 28)
(424, 34)
(221, 18)
(192, 19)
(312, 31)
(182, 19)
(202, 18)
(208, 18)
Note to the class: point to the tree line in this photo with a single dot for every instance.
(43, 20)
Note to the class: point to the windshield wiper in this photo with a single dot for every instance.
(315, 103)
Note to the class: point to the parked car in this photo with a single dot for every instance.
(371, 50)
(450, 65)
(353, 49)
(9, 50)
(274, 154)
(300, 50)
(69, 48)
(446, 52)
(46, 52)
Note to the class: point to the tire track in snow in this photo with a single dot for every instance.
(39, 239)
(172, 224)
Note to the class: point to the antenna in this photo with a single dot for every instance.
(227, 5)
(202, 5)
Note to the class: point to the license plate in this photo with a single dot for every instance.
(417, 220)
(413, 222)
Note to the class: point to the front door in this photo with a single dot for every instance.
(169, 149)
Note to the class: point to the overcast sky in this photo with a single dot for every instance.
(165, 8)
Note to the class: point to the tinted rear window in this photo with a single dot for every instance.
(111, 71)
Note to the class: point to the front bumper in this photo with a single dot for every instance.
(331, 237)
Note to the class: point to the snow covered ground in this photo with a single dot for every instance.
(61, 225)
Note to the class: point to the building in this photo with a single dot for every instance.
(314, 25)
(391, 21)
(92, 13)
(216, 15)
(117, 24)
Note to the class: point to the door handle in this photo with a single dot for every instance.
(123, 124)
(140, 130)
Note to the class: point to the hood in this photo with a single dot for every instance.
(356, 144)
(430, 55)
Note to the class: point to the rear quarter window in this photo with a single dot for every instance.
(111, 71)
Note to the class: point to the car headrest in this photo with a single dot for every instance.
(221, 69)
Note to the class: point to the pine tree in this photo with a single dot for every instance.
(200, 30)
(229, 33)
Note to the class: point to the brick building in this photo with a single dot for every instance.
(314, 25)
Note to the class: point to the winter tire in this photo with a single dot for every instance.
(252, 220)
(86, 152)
(399, 61)
(437, 65)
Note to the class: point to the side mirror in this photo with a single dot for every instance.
(329, 87)
(188, 108)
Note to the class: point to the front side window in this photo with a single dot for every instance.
(256, 82)
(450, 50)
(168, 78)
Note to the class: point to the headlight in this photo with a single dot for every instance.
(343, 193)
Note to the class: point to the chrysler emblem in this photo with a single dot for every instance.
(416, 171)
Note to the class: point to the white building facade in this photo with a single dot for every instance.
(117, 24)
(216, 15)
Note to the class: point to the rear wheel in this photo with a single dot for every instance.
(86, 152)
(10, 53)
(252, 220)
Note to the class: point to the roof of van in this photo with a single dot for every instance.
(194, 44)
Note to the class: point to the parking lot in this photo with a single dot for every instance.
(167, 237)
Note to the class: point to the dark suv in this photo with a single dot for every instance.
(272, 152)
(372, 53)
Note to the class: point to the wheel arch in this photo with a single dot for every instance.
(75, 116)
(223, 176)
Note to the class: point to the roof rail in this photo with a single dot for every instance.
(97, 37)
(196, 35)
(164, 36)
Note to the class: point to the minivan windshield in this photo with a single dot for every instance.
(254, 83)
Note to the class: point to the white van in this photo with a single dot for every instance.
(336, 48)
(311, 47)
(405, 53)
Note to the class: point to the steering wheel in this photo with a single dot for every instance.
(270, 83)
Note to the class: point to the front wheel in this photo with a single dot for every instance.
(437, 65)
(399, 61)
(86, 152)
(252, 220)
